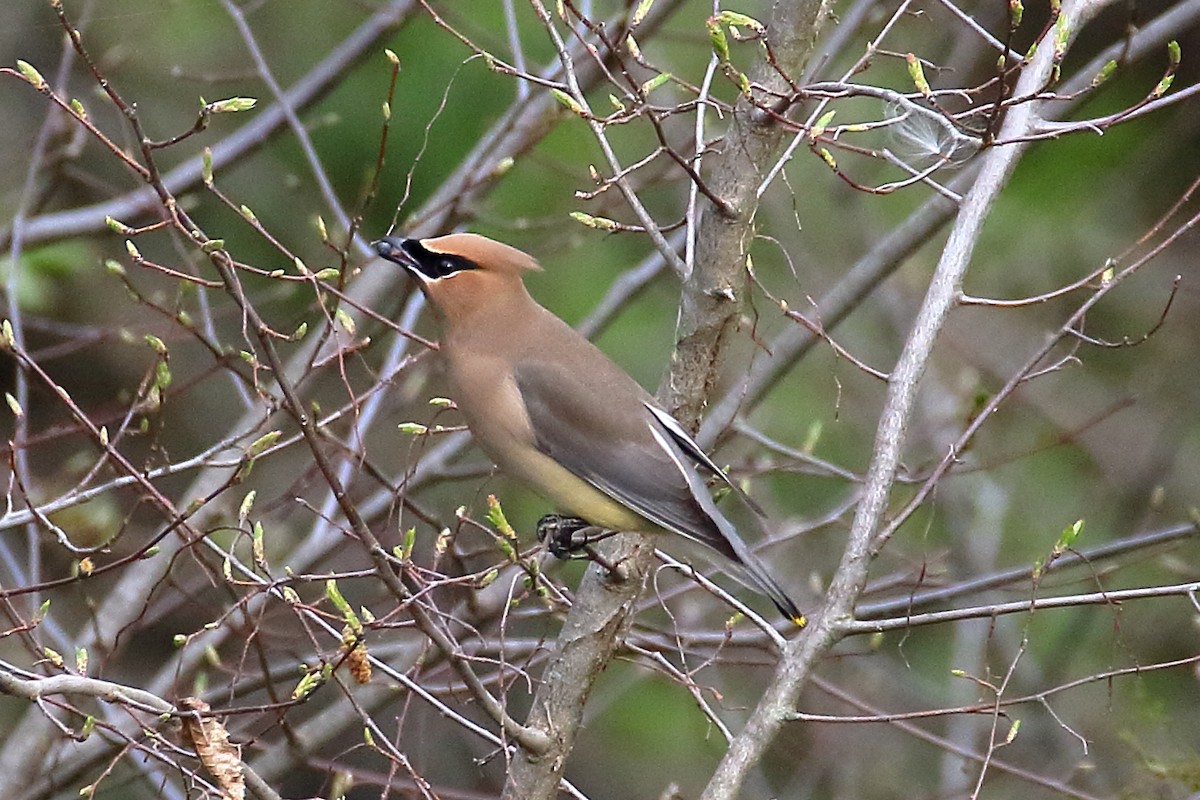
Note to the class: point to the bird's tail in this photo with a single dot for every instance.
(749, 570)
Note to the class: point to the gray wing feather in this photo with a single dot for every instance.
(644, 460)
(576, 429)
(688, 445)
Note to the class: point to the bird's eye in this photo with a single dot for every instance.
(448, 266)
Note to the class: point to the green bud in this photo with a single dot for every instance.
(32, 75)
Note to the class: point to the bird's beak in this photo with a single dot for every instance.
(391, 248)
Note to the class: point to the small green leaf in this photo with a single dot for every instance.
(917, 73)
(117, 226)
(307, 685)
(822, 124)
(53, 656)
(743, 82)
(655, 82)
(13, 405)
(639, 13)
(1105, 72)
(335, 596)
(247, 504)
(1067, 538)
(632, 46)
(599, 223)
(495, 515)
(345, 320)
(407, 543)
(1062, 34)
(232, 105)
(257, 544)
(716, 37)
(156, 344)
(566, 100)
(31, 74)
(1163, 86)
(733, 18)
(262, 443)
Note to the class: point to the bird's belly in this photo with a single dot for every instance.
(572, 494)
(496, 415)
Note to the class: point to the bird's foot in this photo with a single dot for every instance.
(569, 537)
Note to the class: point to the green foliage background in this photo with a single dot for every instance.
(1113, 439)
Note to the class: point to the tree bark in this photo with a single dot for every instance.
(710, 302)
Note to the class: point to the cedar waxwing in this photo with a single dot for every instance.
(552, 410)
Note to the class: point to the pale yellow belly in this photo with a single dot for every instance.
(573, 495)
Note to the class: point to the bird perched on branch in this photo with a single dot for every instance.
(555, 412)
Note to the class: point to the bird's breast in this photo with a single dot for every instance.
(487, 395)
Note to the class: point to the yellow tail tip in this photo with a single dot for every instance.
(800, 620)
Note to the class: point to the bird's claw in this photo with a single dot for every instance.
(569, 537)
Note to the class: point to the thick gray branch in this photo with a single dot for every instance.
(803, 653)
(710, 303)
(711, 299)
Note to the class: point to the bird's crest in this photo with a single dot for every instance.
(485, 253)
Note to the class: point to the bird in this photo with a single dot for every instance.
(556, 413)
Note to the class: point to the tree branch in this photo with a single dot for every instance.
(709, 305)
(864, 544)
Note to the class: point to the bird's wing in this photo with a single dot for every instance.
(688, 445)
(631, 454)
(617, 450)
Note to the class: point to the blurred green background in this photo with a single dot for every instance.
(1112, 438)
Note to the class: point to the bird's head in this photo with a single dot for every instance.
(461, 273)
(444, 257)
